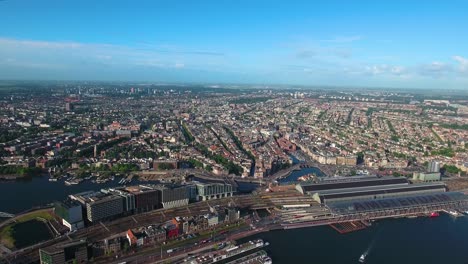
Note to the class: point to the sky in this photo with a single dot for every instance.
(402, 44)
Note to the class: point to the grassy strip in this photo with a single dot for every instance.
(6, 237)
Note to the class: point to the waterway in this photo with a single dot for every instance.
(422, 240)
(20, 195)
(294, 175)
(292, 178)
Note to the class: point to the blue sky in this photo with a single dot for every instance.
(422, 44)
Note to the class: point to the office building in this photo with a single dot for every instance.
(433, 166)
(146, 199)
(99, 206)
(210, 191)
(71, 213)
(67, 253)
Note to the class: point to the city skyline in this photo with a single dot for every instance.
(395, 44)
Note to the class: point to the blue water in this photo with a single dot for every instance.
(18, 196)
(296, 174)
(441, 240)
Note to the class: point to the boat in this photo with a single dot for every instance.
(454, 213)
(266, 260)
(52, 179)
(362, 259)
(434, 214)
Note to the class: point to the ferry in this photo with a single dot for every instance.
(362, 259)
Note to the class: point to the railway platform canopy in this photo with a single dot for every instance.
(398, 203)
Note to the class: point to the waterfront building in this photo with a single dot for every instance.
(406, 202)
(71, 213)
(128, 199)
(350, 182)
(366, 188)
(146, 199)
(377, 192)
(99, 205)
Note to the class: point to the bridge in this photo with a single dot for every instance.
(6, 215)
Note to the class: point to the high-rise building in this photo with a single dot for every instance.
(99, 205)
(68, 106)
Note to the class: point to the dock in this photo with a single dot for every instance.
(347, 227)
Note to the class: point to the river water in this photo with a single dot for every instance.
(18, 196)
(442, 240)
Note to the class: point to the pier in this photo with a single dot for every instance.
(347, 227)
(6, 215)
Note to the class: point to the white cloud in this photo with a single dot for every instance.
(385, 69)
(462, 63)
(40, 44)
(33, 54)
(435, 69)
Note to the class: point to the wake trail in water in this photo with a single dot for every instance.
(373, 241)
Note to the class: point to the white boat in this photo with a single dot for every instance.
(454, 213)
(267, 260)
(362, 259)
